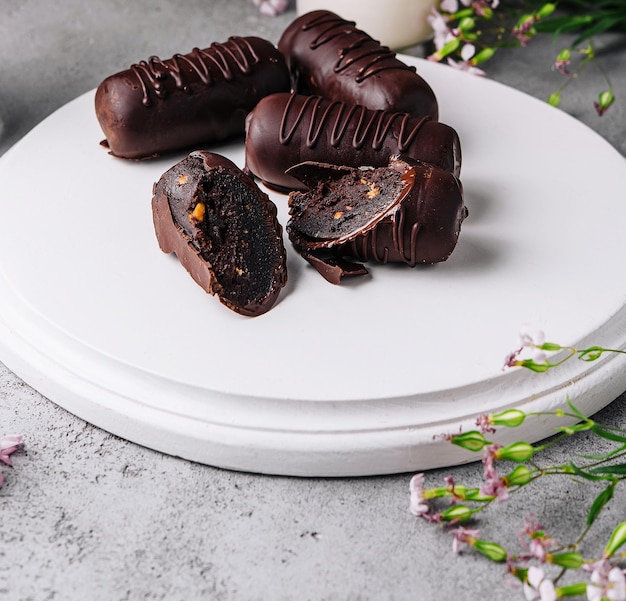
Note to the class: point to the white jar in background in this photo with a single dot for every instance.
(395, 23)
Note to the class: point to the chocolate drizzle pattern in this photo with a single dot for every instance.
(224, 60)
(368, 248)
(360, 49)
(371, 126)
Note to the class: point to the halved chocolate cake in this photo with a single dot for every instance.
(224, 231)
(407, 212)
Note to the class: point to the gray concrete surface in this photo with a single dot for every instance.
(85, 515)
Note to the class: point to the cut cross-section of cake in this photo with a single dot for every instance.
(224, 231)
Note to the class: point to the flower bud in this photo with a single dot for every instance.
(539, 368)
(564, 55)
(472, 440)
(571, 590)
(605, 100)
(518, 477)
(460, 513)
(511, 418)
(484, 55)
(571, 560)
(466, 24)
(518, 452)
(450, 47)
(476, 495)
(546, 10)
(618, 538)
(552, 346)
(554, 99)
(493, 551)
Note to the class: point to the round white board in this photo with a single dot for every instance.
(334, 380)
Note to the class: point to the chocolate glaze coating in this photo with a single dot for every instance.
(284, 130)
(223, 230)
(157, 106)
(409, 212)
(329, 56)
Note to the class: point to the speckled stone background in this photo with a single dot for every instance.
(85, 515)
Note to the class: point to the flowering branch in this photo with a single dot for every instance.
(470, 32)
(539, 361)
(454, 506)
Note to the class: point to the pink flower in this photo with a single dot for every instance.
(528, 338)
(561, 66)
(8, 445)
(540, 542)
(483, 422)
(465, 64)
(451, 6)
(531, 338)
(494, 485)
(480, 6)
(442, 33)
(537, 587)
(417, 504)
(524, 31)
(531, 526)
(512, 359)
(605, 584)
(271, 8)
(463, 535)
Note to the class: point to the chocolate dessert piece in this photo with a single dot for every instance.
(408, 212)
(224, 231)
(157, 106)
(329, 56)
(284, 130)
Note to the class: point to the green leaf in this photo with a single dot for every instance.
(558, 25)
(602, 456)
(600, 431)
(569, 430)
(601, 26)
(575, 410)
(599, 502)
(619, 469)
(576, 471)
